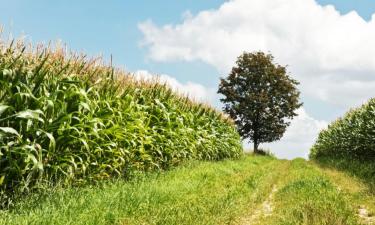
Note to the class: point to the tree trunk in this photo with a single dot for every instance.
(256, 144)
(256, 135)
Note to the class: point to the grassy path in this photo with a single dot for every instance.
(266, 207)
(252, 190)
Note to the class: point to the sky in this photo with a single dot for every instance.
(328, 45)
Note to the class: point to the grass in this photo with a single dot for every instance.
(197, 193)
(355, 178)
(307, 196)
(360, 169)
(360, 192)
(227, 192)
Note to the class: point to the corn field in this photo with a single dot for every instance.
(68, 119)
(352, 136)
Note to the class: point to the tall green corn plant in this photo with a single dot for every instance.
(70, 120)
(349, 137)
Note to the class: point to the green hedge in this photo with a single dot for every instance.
(352, 136)
(67, 119)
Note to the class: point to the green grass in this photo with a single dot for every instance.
(359, 190)
(198, 193)
(361, 169)
(227, 192)
(307, 196)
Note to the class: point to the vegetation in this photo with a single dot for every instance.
(196, 193)
(306, 195)
(228, 192)
(260, 97)
(349, 137)
(348, 144)
(364, 170)
(66, 119)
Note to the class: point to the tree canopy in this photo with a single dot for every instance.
(260, 96)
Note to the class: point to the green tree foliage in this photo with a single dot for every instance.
(350, 137)
(67, 119)
(260, 97)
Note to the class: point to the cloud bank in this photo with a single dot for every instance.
(332, 55)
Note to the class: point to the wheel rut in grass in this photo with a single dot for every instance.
(266, 207)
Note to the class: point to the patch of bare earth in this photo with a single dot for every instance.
(364, 215)
(265, 209)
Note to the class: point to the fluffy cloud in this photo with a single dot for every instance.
(299, 137)
(332, 55)
(194, 91)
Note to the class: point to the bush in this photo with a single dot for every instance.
(349, 137)
(67, 119)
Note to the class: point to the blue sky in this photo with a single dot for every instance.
(102, 27)
(113, 27)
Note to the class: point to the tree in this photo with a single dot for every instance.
(260, 97)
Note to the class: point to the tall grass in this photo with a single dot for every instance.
(68, 119)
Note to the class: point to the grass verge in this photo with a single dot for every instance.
(356, 184)
(198, 193)
(360, 169)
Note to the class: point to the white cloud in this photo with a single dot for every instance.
(332, 55)
(298, 138)
(194, 91)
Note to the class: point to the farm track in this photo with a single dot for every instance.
(266, 207)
